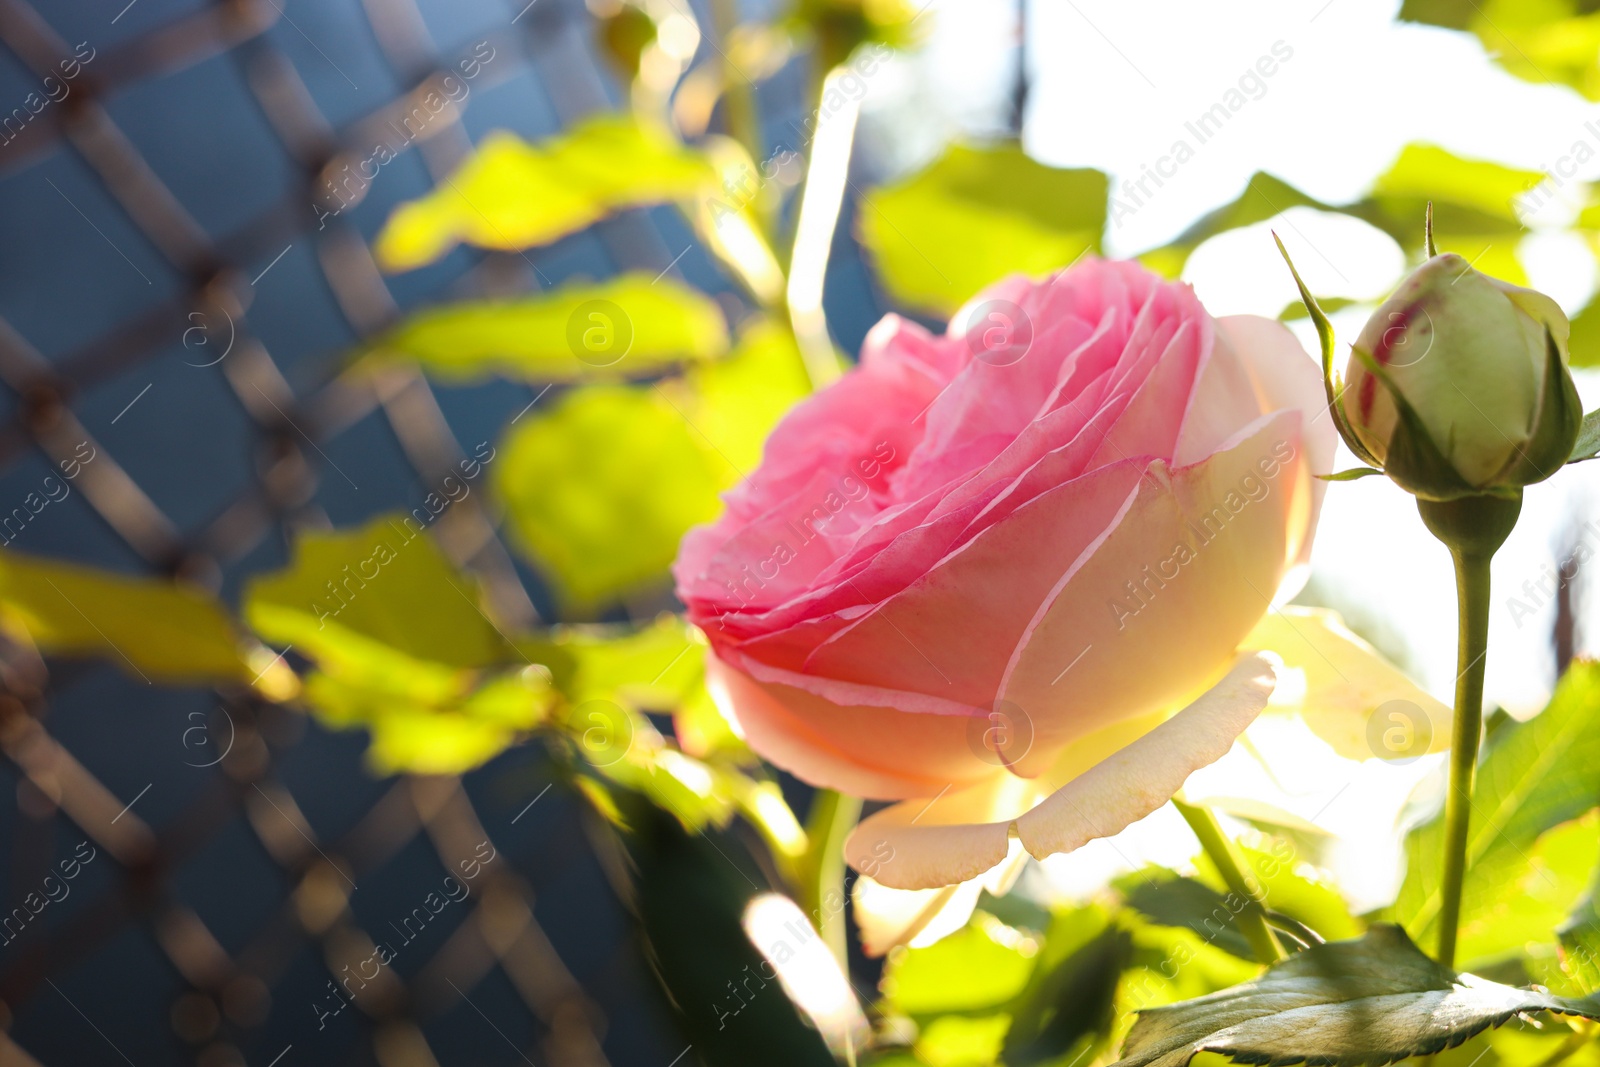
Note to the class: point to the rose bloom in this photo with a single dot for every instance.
(1010, 575)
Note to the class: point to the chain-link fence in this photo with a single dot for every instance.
(186, 265)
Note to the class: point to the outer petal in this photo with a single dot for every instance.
(1338, 683)
(959, 835)
(888, 917)
(927, 846)
(1153, 612)
(1286, 377)
(868, 751)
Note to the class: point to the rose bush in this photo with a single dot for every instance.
(1016, 568)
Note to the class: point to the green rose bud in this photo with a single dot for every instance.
(1459, 384)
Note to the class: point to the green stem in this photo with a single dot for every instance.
(831, 818)
(1473, 529)
(1472, 644)
(1252, 917)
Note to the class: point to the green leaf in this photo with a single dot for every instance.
(1588, 443)
(1474, 211)
(628, 326)
(158, 630)
(1171, 900)
(1067, 1006)
(1350, 475)
(975, 971)
(1374, 1000)
(1551, 41)
(512, 195)
(976, 215)
(1534, 776)
(404, 649)
(1583, 346)
(602, 486)
(352, 599)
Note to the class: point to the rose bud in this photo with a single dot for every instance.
(1481, 364)
(1012, 575)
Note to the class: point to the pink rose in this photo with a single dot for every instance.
(1010, 568)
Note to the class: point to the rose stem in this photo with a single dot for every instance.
(1472, 528)
(831, 818)
(1472, 645)
(1252, 917)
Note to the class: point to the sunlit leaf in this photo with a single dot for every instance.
(1369, 1001)
(1525, 912)
(403, 648)
(628, 326)
(512, 195)
(1473, 201)
(600, 487)
(973, 971)
(962, 1040)
(1550, 41)
(154, 629)
(1534, 776)
(352, 598)
(434, 732)
(975, 216)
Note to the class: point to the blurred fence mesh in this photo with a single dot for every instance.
(223, 990)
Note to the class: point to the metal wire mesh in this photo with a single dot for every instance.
(225, 990)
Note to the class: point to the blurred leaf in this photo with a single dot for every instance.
(734, 403)
(628, 326)
(690, 894)
(1263, 197)
(972, 972)
(1544, 41)
(1580, 942)
(1584, 344)
(159, 630)
(403, 648)
(1171, 900)
(974, 216)
(625, 32)
(962, 1041)
(654, 666)
(1369, 1001)
(602, 486)
(1068, 1005)
(1534, 776)
(1525, 913)
(357, 599)
(435, 733)
(512, 195)
(839, 27)
(1473, 203)
(1290, 889)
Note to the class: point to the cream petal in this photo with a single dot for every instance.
(1119, 791)
(961, 835)
(1341, 685)
(1287, 377)
(888, 918)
